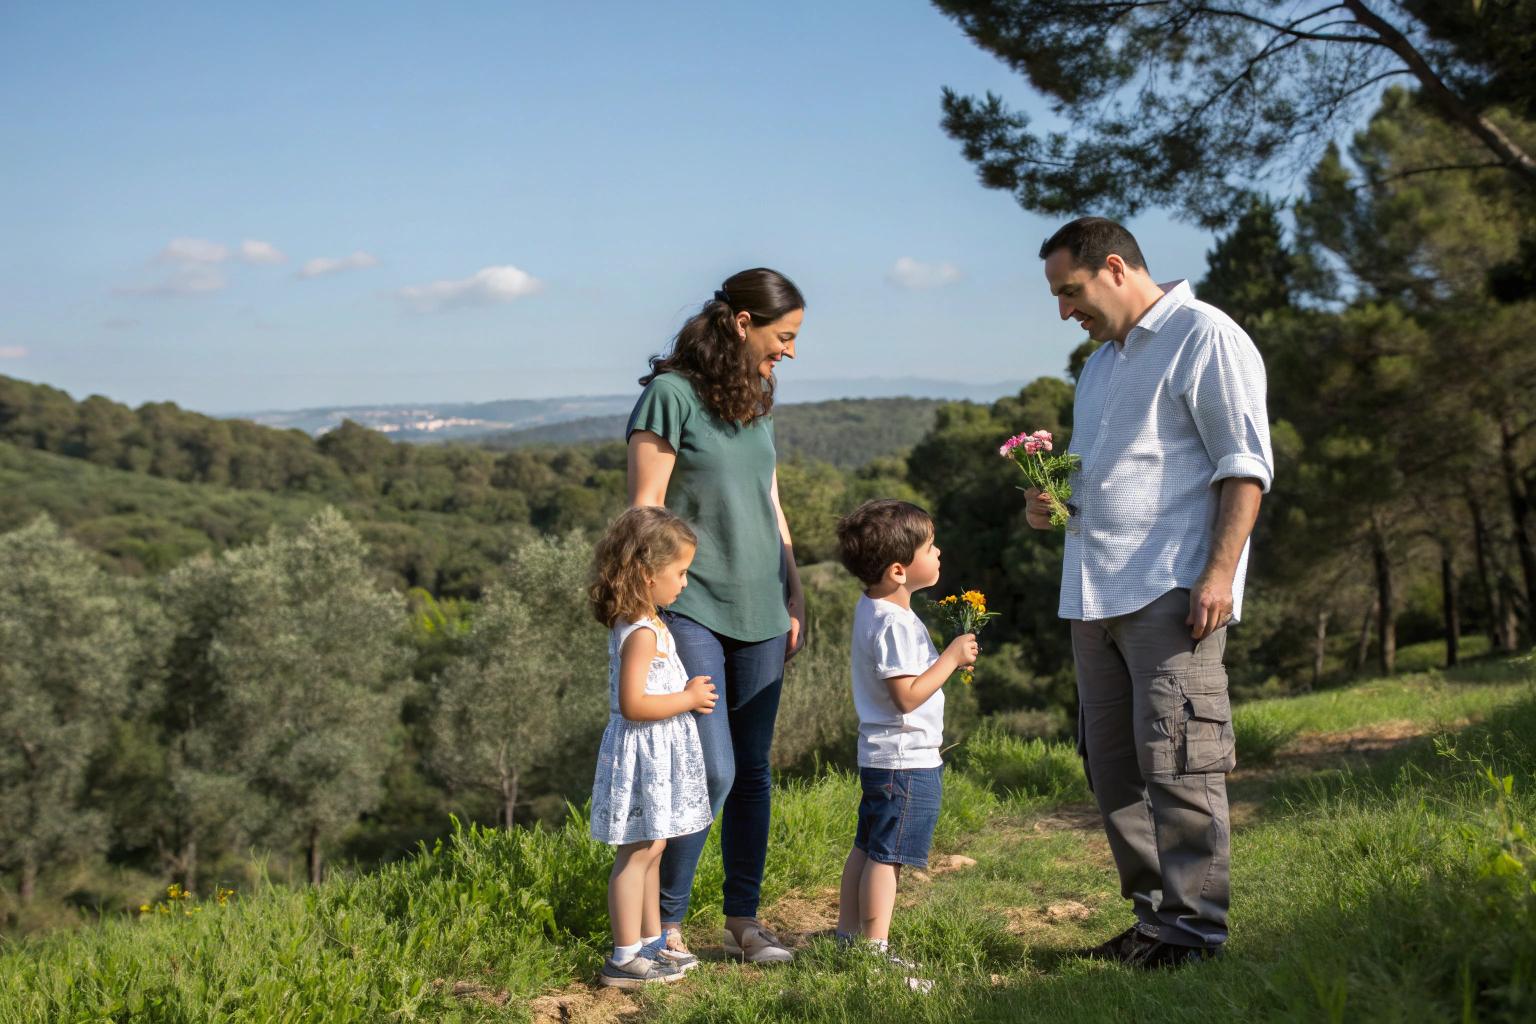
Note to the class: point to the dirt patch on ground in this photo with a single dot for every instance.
(1070, 818)
(1045, 916)
(1315, 749)
(797, 916)
(582, 1006)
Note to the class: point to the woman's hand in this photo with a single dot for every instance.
(796, 639)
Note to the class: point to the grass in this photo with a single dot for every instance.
(1397, 888)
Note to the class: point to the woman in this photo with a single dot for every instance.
(701, 443)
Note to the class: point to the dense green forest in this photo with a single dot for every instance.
(225, 638)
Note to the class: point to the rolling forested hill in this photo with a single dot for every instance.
(847, 432)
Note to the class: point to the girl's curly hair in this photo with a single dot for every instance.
(710, 354)
(639, 543)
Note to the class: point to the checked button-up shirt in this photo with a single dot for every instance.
(1158, 422)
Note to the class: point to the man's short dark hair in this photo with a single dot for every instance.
(1090, 240)
(882, 533)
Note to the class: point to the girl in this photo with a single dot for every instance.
(650, 783)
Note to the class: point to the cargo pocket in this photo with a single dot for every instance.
(1159, 738)
(1210, 745)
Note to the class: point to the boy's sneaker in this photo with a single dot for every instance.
(638, 973)
(756, 945)
(669, 949)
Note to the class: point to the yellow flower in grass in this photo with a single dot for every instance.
(951, 599)
(976, 599)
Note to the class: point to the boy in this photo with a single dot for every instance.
(898, 680)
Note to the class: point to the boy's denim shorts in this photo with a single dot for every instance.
(898, 813)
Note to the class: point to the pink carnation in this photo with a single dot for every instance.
(1013, 442)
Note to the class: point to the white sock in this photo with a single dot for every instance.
(881, 944)
(624, 954)
(651, 941)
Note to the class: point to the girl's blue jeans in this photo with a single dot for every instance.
(736, 738)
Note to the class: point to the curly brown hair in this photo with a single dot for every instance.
(709, 352)
(642, 541)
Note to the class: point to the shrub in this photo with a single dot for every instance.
(1261, 733)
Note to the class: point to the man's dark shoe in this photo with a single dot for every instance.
(1155, 954)
(1120, 949)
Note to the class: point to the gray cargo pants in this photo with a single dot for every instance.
(1155, 733)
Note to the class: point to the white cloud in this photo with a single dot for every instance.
(12, 352)
(914, 275)
(323, 265)
(492, 284)
(193, 279)
(193, 251)
(252, 251)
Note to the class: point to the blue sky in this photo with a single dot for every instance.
(241, 207)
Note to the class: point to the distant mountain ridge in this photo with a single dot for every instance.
(459, 421)
(426, 421)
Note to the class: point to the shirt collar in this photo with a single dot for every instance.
(1175, 294)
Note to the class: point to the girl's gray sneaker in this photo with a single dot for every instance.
(637, 973)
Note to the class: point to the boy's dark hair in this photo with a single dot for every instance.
(1090, 240)
(881, 533)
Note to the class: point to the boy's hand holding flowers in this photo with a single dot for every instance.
(1048, 477)
(962, 652)
(964, 616)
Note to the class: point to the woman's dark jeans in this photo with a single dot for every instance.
(736, 738)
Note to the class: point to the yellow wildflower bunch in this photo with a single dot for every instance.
(964, 613)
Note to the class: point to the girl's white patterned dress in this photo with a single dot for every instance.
(650, 780)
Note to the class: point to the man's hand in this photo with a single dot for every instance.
(1210, 603)
(1038, 511)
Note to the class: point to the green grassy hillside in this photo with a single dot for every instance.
(1381, 871)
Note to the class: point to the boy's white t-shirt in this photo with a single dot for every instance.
(889, 641)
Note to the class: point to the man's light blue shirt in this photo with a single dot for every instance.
(1158, 422)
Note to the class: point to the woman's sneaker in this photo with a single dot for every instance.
(756, 945)
(637, 973)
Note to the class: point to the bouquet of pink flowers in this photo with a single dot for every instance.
(1050, 475)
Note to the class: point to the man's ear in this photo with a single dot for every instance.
(1116, 267)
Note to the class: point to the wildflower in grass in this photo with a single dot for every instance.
(964, 613)
(1050, 474)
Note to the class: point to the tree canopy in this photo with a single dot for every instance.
(1192, 106)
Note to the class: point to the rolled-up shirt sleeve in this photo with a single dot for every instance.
(1226, 397)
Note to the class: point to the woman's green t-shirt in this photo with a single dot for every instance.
(722, 486)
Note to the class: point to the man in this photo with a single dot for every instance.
(1171, 427)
